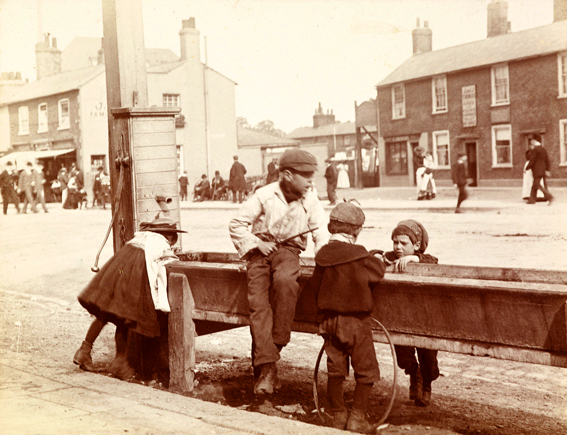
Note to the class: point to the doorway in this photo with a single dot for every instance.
(470, 148)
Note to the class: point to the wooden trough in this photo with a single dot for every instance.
(511, 314)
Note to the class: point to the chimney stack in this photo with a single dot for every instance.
(47, 58)
(497, 18)
(422, 38)
(190, 40)
(320, 118)
(559, 10)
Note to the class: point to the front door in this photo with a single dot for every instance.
(470, 148)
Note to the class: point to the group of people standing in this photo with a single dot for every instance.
(69, 186)
(28, 184)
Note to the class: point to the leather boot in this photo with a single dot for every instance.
(83, 357)
(357, 422)
(120, 368)
(416, 385)
(425, 399)
(337, 402)
(268, 380)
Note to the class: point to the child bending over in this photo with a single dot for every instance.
(410, 241)
(343, 280)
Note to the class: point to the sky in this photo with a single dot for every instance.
(286, 56)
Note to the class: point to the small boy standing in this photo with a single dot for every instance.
(343, 280)
(410, 241)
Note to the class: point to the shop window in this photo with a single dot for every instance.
(502, 146)
(439, 89)
(562, 71)
(42, 118)
(500, 85)
(24, 120)
(397, 158)
(398, 102)
(97, 161)
(563, 142)
(64, 118)
(441, 149)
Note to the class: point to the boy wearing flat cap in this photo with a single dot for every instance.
(410, 241)
(344, 278)
(270, 231)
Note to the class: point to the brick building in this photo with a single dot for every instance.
(486, 98)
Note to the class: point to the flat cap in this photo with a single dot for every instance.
(348, 213)
(299, 160)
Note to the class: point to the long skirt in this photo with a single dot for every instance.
(120, 293)
(527, 185)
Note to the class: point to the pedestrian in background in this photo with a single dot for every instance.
(459, 173)
(331, 177)
(7, 179)
(26, 184)
(97, 186)
(183, 184)
(269, 232)
(273, 173)
(344, 280)
(63, 179)
(39, 182)
(539, 165)
(237, 181)
(104, 188)
(202, 189)
(343, 181)
(219, 186)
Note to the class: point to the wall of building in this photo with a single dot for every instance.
(94, 129)
(4, 129)
(534, 105)
(61, 138)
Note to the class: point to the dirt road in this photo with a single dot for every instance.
(46, 260)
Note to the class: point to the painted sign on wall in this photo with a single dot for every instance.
(469, 106)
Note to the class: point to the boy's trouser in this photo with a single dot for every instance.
(427, 362)
(9, 196)
(272, 295)
(350, 336)
(28, 199)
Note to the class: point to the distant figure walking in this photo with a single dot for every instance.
(63, 178)
(237, 181)
(7, 179)
(39, 182)
(539, 164)
(183, 183)
(343, 181)
(332, 178)
(273, 171)
(26, 185)
(528, 178)
(97, 186)
(459, 172)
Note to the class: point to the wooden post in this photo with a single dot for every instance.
(126, 86)
(181, 334)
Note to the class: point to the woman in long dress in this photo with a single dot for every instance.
(429, 180)
(343, 181)
(529, 179)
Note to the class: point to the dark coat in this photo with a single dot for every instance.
(459, 173)
(344, 277)
(331, 175)
(237, 182)
(539, 161)
(273, 173)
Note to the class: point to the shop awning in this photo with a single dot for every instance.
(20, 158)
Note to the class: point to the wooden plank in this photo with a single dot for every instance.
(169, 190)
(181, 335)
(149, 153)
(157, 138)
(151, 125)
(155, 178)
(156, 165)
(149, 205)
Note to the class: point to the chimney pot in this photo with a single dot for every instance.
(417, 24)
(54, 42)
(426, 24)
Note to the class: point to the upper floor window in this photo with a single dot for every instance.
(42, 118)
(170, 100)
(64, 117)
(500, 85)
(398, 102)
(441, 149)
(501, 146)
(439, 90)
(562, 69)
(563, 141)
(23, 120)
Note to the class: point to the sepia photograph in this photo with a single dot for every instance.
(283, 217)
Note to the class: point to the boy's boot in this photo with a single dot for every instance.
(337, 402)
(357, 421)
(83, 357)
(426, 396)
(120, 367)
(268, 380)
(416, 385)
